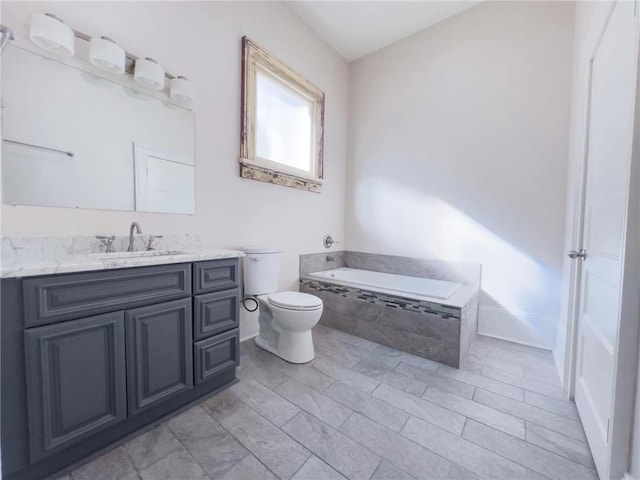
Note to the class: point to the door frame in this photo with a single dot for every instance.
(626, 360)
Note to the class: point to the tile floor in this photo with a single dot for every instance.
(365, 411)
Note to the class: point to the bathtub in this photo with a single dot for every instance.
(389, 283)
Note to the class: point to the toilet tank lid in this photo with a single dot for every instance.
(261, 250)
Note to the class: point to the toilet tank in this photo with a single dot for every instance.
(261, 270)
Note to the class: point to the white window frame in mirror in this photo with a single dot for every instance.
(254, 60)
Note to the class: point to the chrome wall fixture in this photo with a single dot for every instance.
(50, 33)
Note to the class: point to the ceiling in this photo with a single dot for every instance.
(357, 28)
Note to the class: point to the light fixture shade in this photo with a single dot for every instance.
(149, 74)
(106, 55)
(49, 32)
(182, 90)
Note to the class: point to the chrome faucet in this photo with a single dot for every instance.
(138, 229)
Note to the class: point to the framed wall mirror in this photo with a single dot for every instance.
(282, 134)
(73, 138)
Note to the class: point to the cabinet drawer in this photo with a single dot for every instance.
(216, 354)
(63, 297)
(159, 358)
(216, 312)
(76, 383)
(215, 275)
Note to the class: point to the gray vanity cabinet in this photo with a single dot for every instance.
(75, 380)
(89, 358)
(159, 359)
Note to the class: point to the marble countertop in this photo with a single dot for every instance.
(27, 257)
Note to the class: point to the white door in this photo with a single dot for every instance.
(609, 146)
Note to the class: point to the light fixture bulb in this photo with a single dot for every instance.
(149, 73)
(182, 90)
(105, 54)
(50, 33)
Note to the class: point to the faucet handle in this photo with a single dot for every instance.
(108, 242)
(328, 241)
(152, 242)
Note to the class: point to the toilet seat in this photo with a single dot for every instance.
(295, 301)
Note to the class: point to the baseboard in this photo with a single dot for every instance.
(248, 337)
(517, 326)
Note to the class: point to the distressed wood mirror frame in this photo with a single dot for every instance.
(257, 61)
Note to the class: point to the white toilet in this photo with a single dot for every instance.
(286, 318)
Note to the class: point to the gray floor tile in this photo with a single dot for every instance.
(575, 450)
(509, 367)
(531, 475)
(249, 468)
(113, 465)
(271, 446)
(524, 383)
(388, 471)
(257, 369)
(209, 444)
(346, 375)
(264, 401)
(404, 383)
(542, 374)
(151, 446)
(331, 350)
(532, 414)
(462, 452)
(459, 473)
(482, 413)
(361, 343)
(565, 408)
(315, 403)
(531, 456)
(375, 368)
(391, 446)
(342, 453)
(178, 464)
(392, 353)
(309, 375)
(448, 420)
(486, 383)
(431, 378)
(316, 469)
(383, 413)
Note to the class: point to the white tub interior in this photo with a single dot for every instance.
(389, 282)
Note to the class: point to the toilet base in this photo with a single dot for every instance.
(294, 347)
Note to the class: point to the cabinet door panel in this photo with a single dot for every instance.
(75, 380)
(159, 361)
(216, 354)
(216, 312)
(215, 275)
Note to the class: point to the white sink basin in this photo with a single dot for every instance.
(141, 254)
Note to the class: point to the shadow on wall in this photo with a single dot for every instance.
(520, 294)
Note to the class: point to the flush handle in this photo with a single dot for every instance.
(582, 253)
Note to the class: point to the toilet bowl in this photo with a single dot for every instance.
(285, 318)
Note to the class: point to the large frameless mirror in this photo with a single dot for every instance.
(74, 139)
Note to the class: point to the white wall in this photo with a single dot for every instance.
(458, 141)
(202, 41)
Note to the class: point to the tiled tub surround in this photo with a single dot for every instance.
(440, 330)
(46, 255)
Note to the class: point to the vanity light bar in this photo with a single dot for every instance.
(130, 61)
